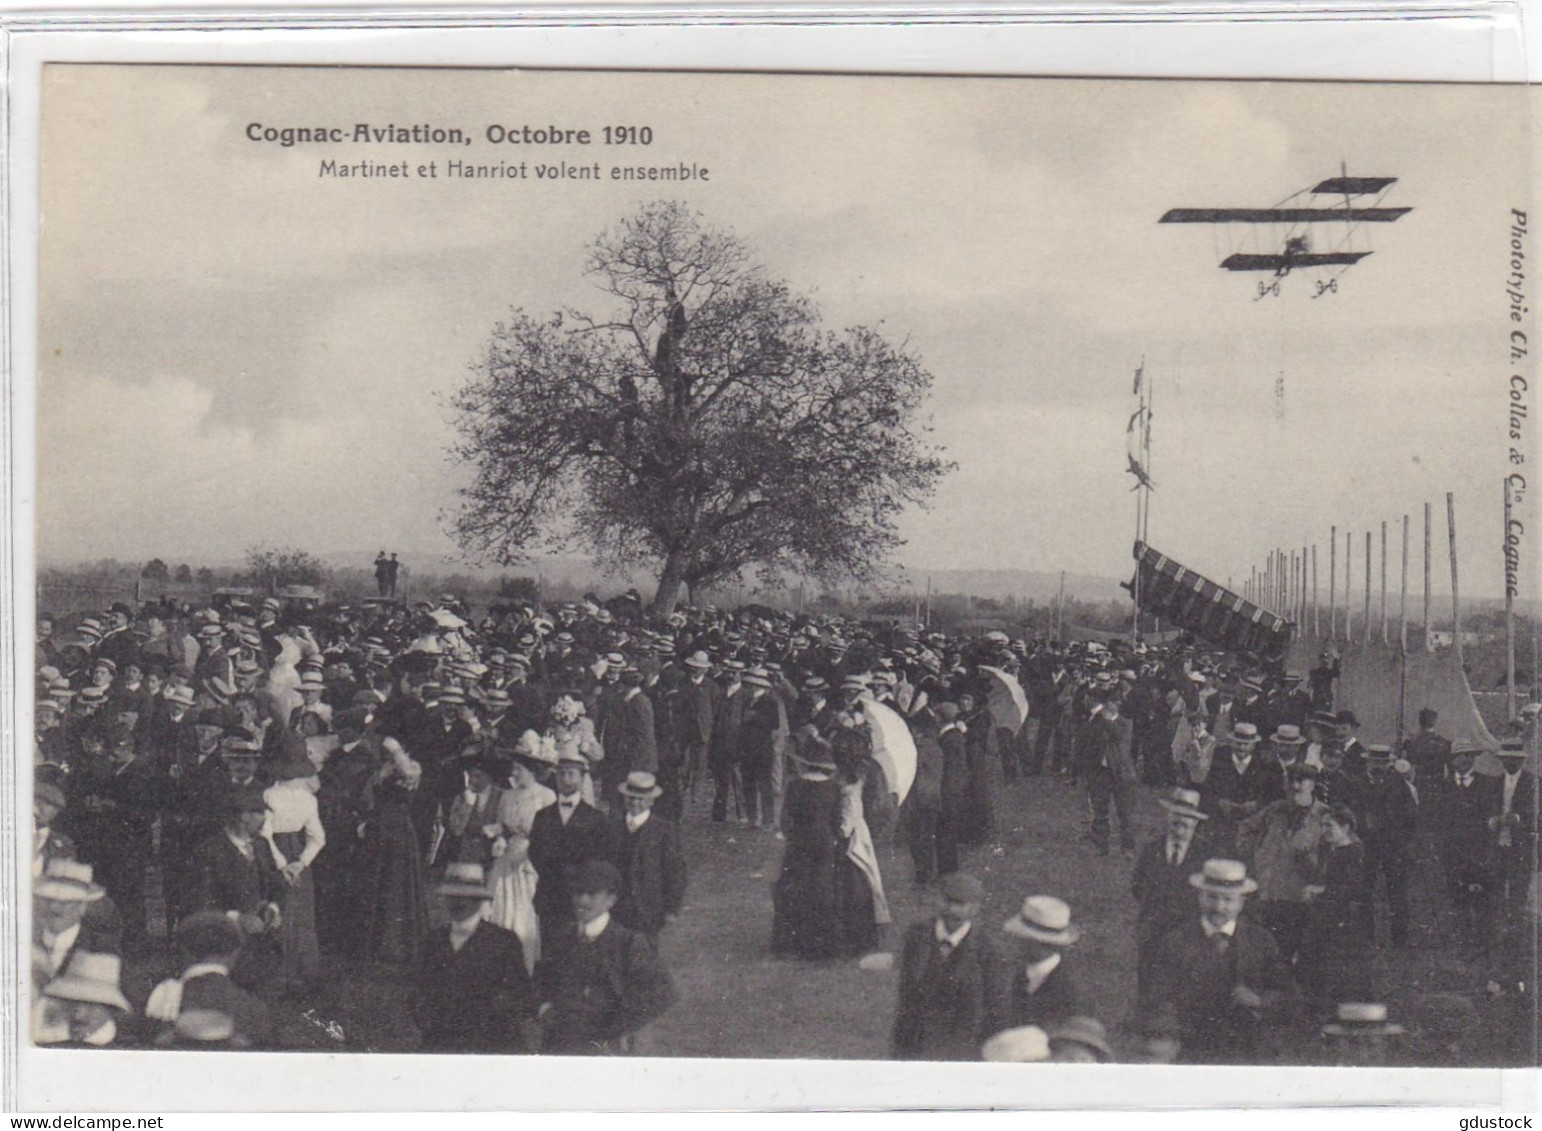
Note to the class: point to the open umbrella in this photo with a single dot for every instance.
(893, 746)
(1008, 705)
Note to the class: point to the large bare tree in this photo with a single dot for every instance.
(704, 423)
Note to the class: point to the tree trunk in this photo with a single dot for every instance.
(670, 580)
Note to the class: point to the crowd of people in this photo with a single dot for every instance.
(494, 806)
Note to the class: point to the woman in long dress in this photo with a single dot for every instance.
(572, 732)
(393, 916)
(512, 876)
(296, 837)
(804, 925)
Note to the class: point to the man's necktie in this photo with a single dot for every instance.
(1220, 942)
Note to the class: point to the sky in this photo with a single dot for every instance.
(235, 350)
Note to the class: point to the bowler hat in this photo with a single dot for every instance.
(961, 887)
(465, 878)
(594, 876)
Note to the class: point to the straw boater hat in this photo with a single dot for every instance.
(465, 878)
(815, 683)
(1378, 753)
(1243, 734)
(1022, 1045)
(1045, 919)
(1287, 734)
(1361, 1019)
(1229, 877)
(1083, 1031)
(757, 677)
(181, 697)
(68, 881)
(90, 977)
(641, 784)
(45, 790)
(1184, 802)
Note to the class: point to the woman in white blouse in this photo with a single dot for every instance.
(295, 836)
(512, 876)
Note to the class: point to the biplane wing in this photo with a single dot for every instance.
(1282, 215)
(1353, 186)
(1291, 262)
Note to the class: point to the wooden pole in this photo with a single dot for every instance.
(1316, 610)
(1456, 599)
(1402, 632)
(1333, 576)
(1301, 605)
(1349, 570)
(1384, 638)
(1367, 623)
(1509, 616)
(1427, 557)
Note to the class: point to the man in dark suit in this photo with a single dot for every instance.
(473, 994)
(1429, 753)
(1459, 800)
(564, 835)
(1041, 989)
(1239, 784)
(210, 946)
(1217, 983)
(950, 981)
(1108, 769)
(232, 872)
(1510, 806)
(598, 983)
(1388, 808)
(653, 871)
(113, 799)
(693, 707)
(631, 742)
(1161, 878)
(723, 752)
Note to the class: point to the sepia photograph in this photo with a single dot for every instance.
(820, 567)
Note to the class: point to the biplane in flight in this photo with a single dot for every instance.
(1293, 220)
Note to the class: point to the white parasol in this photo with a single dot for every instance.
(893, 746)
(1008, 705)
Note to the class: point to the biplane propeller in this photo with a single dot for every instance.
(1297, 250)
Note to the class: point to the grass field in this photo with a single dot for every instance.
(734, 999)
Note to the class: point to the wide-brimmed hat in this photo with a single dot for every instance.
(195, 1028)
(1287, 734)
(699, 661)
(1045, 919)
(68, 881)
(90, 977)
(1085, 1031)
(534, 750)
(1229, 877)
(465, 878)
(1022, 1045)
(1185, 803)
(1361, 1019)
(641, 784)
